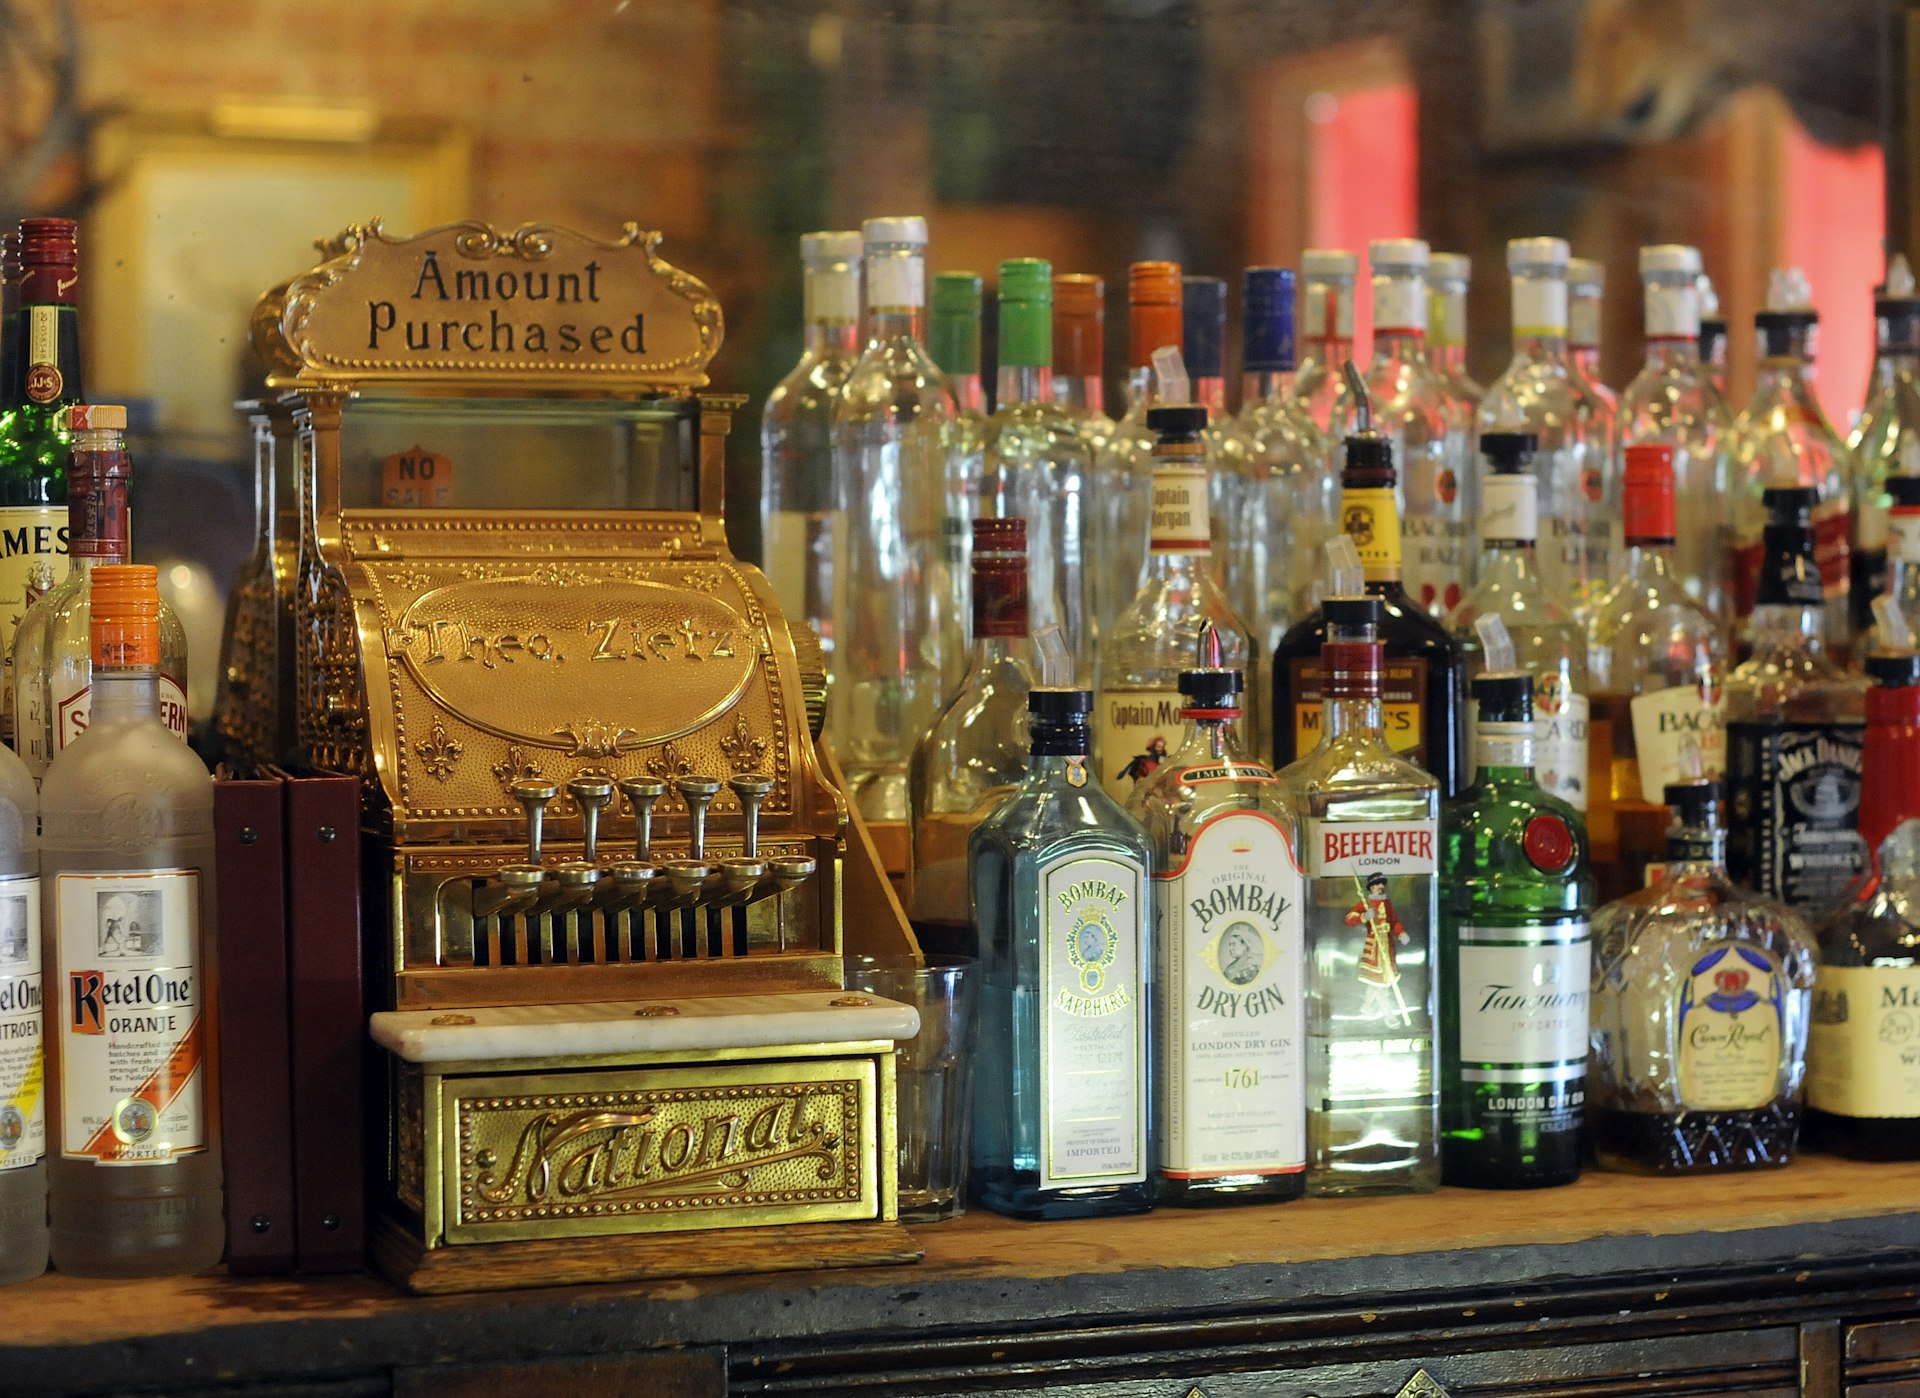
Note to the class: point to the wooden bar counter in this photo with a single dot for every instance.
(1805, 1280)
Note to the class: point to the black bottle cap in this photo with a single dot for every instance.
(1904, 490)
(1212, 689)
(1899, 317)
(1346, 612)
(1894, 669)
(1369, 452)
(1177, 422)
(1784, 333)
(1058, 721)
(1788, 575)
(1509, 452)
(1695, 803)
(1504, 696)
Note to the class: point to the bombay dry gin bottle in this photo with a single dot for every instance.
(1515, 960)
(1794, 729)
(126, 869)
(1230, 960)
(1700, 1003)
(23, 1103)
(1137, 723)
(1060, 895)
(796, 434)
(977, 748)
(1863, 1052)
(1372, 830)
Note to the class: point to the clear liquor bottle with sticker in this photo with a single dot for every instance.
(1657, 666)
(1713, 337)
(1795, 721)
(1516, 948)
(1701, 995)
(1448, 275)
(1885, 442)
(1371, 856)
(53, 649)
(1137, 723)
(796, 434)
(1549, 644)
(1903, 554)
(1060, 893)
(23, 1099)
(1230, 959)
(1326, 332)
(126, 870)
(953, 339)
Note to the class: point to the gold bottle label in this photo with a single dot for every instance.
(1371, 518)
(1863, 1048)
(23, 1101)
(1727, 1022)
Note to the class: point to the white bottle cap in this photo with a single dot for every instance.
(1527, 253)
(1677, 258)
(1329, 262)
(1396, 252)
(1449, 267)
(910, 229)
(1587, 276)
(831, 247)
(831, 292)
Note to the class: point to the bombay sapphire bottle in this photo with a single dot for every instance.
(1063, 911)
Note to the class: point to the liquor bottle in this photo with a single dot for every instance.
(1142, 654)
(1700, 1001)
(53, 650)
(1551, 646)
(977, 748)
(892, 605)
(796, 435)
(126, 860)
(1121, 499)
(1672, 401)
(1058, 873)
(1515, 960)
(1371, 835)
(1203, 338)
(1886, 440)
(1423, 687)
(1229, 1012)
(1586, 291)
(1890, 748)
(1292, 495)
(1326, 331)
(1713, 337)
(1783, 438)
(953, 339)
(1448, 274)
(1656, 664)
(1429, 428)
(1032, 447)
(1903, 556)
(1538, 394)
(1794, 729)
(1863, 1074)
(1080, 355)
(33, 443)
(23, 1103)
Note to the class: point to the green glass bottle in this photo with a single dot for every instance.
(1515, 961)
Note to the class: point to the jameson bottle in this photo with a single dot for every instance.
(1515, 960)
(1229, 1007)
(1371, 859)
(1700, 1002)
(23, 1099)
(1062, 1126)
(1422, 689)
(1138, 723)
(44, 379)
(1794, 729)
(126, 865)
(977, 748)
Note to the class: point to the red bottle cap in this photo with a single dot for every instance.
(1548, 843)
(49, 261)
(1647, 491)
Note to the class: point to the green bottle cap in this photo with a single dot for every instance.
(1026, 313)
(953, 335)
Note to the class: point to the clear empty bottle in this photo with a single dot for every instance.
(23, 1098)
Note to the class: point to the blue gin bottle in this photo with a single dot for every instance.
(1062, 908)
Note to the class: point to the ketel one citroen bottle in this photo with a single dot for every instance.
(1228, 1013)
(126, 867)
(1421, 690)
(1515, 959)
(1794, 729)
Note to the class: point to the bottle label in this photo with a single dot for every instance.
(1678, 733)
(1583, 322)
(1369, 879)
(1863, 1048)
(44, 381)
(1436, 551)
(1903, 534)
(1673, 312)
(1510, 508)
(131, 1035)
(23, 1105)
(1137, 730)
(1179, 510)
(896, 283)
(1832, 545)
(1727, 1022)
(1560, 729)
(33, 559)
(1539, 306)
(1092, 1059)
(1363, 851)
(1502, 744)
(1326, 312)
(1523, 1011)
(1399, 305)
(1446, 318)
(1232, 958)
(1795, 791)
(1371, 518)
(1403, 689)
(73, 707)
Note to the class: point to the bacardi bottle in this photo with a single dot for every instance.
(1586, 294)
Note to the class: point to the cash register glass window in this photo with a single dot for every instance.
(519, 454)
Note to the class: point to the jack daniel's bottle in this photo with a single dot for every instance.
(1795, 723)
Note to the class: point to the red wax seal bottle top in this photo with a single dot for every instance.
(1548, 843)
(1647, 492)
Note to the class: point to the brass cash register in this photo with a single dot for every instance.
(610, 875)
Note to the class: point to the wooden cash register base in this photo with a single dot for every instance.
(1805, 1280)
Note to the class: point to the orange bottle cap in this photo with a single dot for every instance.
(1079, 322)
(1154, 297)
(126, 614)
